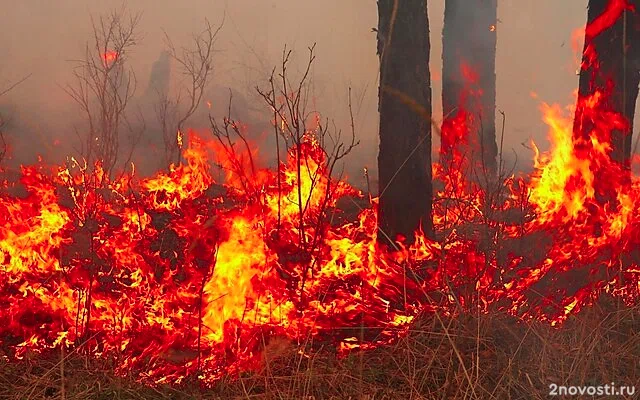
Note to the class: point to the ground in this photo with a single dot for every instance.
(466, 357)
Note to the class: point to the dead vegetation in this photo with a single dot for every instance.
(195, 64)
(467, 357)
(103, 89)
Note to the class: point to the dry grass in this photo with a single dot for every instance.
(489, 357)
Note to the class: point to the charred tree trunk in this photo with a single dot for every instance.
(469, 77)
(611, 56)
(404, 158)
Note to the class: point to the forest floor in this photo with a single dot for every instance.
(466, 357)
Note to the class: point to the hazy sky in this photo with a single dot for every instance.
(534, 54)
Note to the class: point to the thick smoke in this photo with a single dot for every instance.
(40, 38)
(160, 76)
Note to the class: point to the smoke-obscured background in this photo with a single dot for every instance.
(40, 37)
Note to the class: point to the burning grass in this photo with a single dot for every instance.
(483, 356)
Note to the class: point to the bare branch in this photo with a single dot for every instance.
(288, 104)
(104, 87)
(14, 85)
(195, 63)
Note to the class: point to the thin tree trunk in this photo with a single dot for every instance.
(404, 158)
(469, 79)
(616, 49)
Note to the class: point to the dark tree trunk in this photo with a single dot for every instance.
(611, 57)
(404, 158)
(469, 78)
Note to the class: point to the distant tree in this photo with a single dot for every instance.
(160, 76)
(468, 75)
(103, 88)
(611, 56)
(195, 64)
(404, 158)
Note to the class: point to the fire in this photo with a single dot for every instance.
(614, 10)
(177, 276)
(179, 139)
(155, 268)
(178, 283)
(109, 57)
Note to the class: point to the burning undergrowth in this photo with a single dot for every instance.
(144, 270)
(173, 281)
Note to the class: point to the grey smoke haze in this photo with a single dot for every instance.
(39, 37)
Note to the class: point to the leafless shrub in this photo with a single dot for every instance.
(104, 86)
(291, 121)
(195, 64)
(288, 102)
(227, 134)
